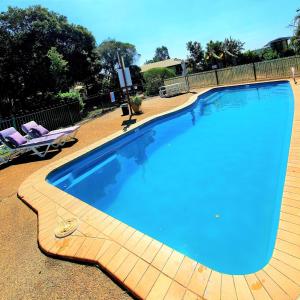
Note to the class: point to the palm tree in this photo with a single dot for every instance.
(214, 53)
(231, 49)
(223, 53)
(295, 40)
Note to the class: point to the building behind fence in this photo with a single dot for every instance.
(265, 70)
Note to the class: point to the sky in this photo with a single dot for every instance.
(149, 24)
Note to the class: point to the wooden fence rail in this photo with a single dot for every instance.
(270, 69)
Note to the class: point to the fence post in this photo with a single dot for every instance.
(70, 115)
(217, 78)
(14, 121)
(187, 83)
(254, 71)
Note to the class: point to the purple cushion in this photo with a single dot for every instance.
(39, 131)
(16, 139)
(27, 126)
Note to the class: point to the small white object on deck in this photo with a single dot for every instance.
(172, 90)
(66, 227)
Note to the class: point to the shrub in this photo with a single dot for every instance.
(154, 79)
(137, 100)
(71, 96)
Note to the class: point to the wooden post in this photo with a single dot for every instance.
(254, 71)
(13, 112)
(187, 82)
(14, 121)
(217, 78)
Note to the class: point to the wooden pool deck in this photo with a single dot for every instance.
(152, 270)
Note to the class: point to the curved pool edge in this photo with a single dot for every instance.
(146, 267)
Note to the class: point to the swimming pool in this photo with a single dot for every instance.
(206, 180)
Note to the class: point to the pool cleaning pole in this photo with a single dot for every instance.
(122, 65)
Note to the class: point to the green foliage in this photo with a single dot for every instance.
(57, 64)
(224, 53)
(154, 79)
(4, 151)
(249, 57)
(295, 40)
(214, 53)
(149, 61)
(269, 54)
(295, 43)
(161, 53)
(108, 55)
(137, 100)
(70, 96)
(195, 57)
(58, 68)
(27, 71)
(136, 75)
(232, 49)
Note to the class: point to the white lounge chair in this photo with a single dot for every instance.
(33, 145)
(31, 129)
(172, 90)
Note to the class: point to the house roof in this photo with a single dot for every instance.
(161, 64)
(281, 39)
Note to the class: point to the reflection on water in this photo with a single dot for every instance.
(136, 149)
(97, 176)
(102, 175)
(220, 102)
(193, 117)
(217, 102)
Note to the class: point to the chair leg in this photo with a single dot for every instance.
(55, 145)
(4, 160)
(41, 154)
(60, 143)
(72, 136)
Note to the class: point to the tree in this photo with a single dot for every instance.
(108, 55)
(136, 75)
(214, 53)
(269, 54)
(232, 49)
(223, 54)
(161, 53)
(26, 70)
(58, 69)
(154, 79)
(295, 40)
(196, 56)
(248, 57)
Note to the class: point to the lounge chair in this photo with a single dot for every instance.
(34, 130)
(14, 149)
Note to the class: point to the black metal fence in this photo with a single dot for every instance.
(101, 101)
(61, 115)
(271, 69)
(51, 118)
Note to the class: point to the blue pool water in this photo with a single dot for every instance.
(207, 180)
